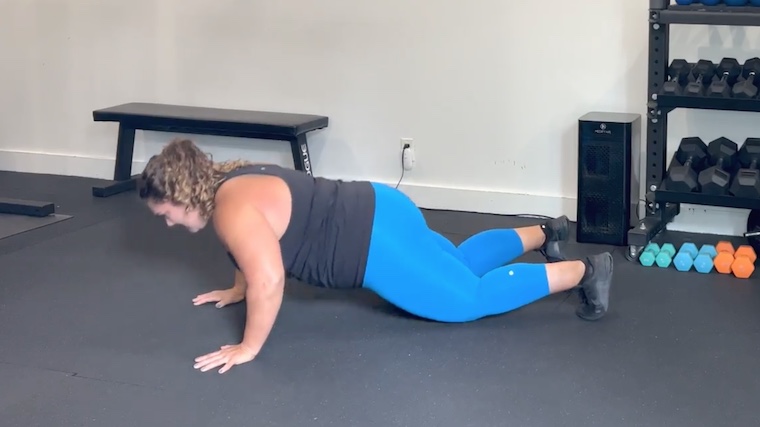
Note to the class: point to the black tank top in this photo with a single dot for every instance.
(327, 241)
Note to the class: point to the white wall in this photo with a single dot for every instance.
(490, 90)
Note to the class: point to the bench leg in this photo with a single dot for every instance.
(125, 148)
(122, 179)
(300, 149)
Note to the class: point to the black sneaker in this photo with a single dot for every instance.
(557, 231)
(594, 289)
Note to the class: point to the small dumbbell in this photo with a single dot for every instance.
(701, 77)
(744, 262)
(746, 88)
(729, 70)
(722, 159)
(724, 257)
(665, 256)
(649, 254)
(683, 176)
(685, 257)
(746, 182)
(678, 76)
(703, 263)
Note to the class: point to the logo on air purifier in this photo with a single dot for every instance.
(603, 129)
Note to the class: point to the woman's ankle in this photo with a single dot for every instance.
(565, 275)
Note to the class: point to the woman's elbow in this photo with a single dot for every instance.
(267, 286)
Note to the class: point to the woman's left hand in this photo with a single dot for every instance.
(227, 355)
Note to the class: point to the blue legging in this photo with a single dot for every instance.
(425, 274)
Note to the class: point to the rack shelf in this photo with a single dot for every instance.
(663, 195)
(670, 102)
(698, 14)
(662, 205)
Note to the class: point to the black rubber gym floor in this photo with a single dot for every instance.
(97, 328)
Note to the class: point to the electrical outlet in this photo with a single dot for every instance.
(407, 153)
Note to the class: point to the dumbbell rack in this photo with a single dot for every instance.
(661, 205)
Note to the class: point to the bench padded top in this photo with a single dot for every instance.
(141, 115)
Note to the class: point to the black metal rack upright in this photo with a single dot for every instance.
(662, 205)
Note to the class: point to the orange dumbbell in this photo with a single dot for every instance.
(725, 257)
(744, 262)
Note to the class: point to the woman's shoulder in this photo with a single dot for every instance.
(242, 200)
(235, 208)
(237, 194)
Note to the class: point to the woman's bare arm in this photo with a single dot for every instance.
(240, 284)
(256, 247)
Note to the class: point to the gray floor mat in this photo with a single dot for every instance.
(36, 397)
(111, 303)
(11, 225)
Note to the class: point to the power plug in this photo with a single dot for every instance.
(407, 158)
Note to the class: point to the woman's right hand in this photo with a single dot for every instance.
(222, 297)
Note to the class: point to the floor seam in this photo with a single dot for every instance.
(77, 375)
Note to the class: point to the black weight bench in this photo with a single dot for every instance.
(202, 121)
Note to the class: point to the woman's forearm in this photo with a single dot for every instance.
(263, 303)
(240, 283)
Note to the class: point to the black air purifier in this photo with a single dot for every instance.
(609, 153)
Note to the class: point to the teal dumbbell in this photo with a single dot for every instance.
(685, 257)
(703, 263)
(665, 256)
(648, 254)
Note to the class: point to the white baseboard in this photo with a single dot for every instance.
(696, 219)
(65, 164)
(487, 201)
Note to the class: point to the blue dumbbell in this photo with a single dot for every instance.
(736, 2)
(703, 263)
(647, 257)
(665, 256)
(685, 257)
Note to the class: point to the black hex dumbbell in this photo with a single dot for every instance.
(722, 158)
(691, 156)
(701, 76)
(678, 76)
(747, 180)
(728, 70)
(746, 87)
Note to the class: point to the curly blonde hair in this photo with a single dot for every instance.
(184, 175)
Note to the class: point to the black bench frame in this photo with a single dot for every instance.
(203, 121)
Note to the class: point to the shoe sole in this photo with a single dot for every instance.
(603, 272)
(606, 264)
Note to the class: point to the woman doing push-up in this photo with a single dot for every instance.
(277, 222)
